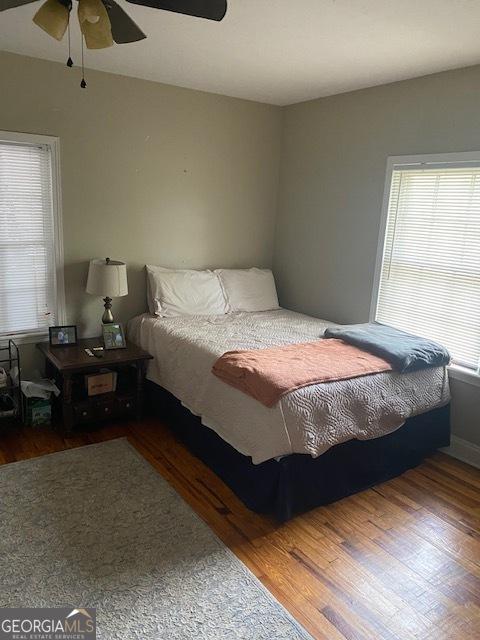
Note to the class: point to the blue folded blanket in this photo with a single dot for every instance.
(404, 351)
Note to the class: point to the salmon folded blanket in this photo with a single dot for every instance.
(268, 374)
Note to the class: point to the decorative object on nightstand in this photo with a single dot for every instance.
(107, 278)
(113, 336)
(64, 336)
(69, 366)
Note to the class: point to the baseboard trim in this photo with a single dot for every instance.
(464, 450)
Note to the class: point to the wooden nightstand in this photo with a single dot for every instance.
(68, 366)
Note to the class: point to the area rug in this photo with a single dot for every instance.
(98, 527)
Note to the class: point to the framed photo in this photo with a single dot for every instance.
(113, 336)
(65, 336)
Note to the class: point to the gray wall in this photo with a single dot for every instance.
(150, 174)
(154, 173)
(331, 187)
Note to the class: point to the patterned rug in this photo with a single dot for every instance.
(98, 527)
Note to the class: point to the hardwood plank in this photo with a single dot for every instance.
(457, 468)
(400, 561)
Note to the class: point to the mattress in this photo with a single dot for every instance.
(308, 420)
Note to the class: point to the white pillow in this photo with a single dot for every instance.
(248, 289)
(150, 287)
(151, 284)
(185, 292)
(153, 290)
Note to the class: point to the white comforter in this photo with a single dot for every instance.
(308, 420)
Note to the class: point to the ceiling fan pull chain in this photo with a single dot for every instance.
(69, 61)
(83, 84)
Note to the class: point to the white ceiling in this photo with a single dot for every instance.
(278, 51)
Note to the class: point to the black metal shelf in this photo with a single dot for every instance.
(12, 389)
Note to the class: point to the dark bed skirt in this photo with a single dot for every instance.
(298, 482)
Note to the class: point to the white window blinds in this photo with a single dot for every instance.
(430, 275)
(27, 256)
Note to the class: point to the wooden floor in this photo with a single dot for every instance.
(399, 561)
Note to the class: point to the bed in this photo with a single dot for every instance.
(318, 443)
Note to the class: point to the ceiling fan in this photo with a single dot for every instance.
(104, 22)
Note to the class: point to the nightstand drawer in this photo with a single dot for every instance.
(83, 412)
(125, 405)
(104, 409)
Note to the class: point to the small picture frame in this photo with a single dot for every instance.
(64, 336)
(113, 336)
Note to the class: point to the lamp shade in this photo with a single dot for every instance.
(107, 278)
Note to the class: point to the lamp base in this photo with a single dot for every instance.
(107, 317)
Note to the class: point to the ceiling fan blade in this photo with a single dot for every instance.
(209, 9)
(13, 4)
(124, 28)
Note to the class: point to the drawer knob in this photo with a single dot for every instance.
(106, 409)
(128, 405)
(84, 413)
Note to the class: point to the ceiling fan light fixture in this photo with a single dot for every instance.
(103, 22)
(89, 10)
(95, 24)
(53, 18)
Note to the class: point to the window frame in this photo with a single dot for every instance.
(53, 143)
(399, 162)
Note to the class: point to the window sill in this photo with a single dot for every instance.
(24, 338)
(465, 375)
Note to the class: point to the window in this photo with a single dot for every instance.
(428, 267)
(31, 275)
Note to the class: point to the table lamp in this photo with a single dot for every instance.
(107, 278)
